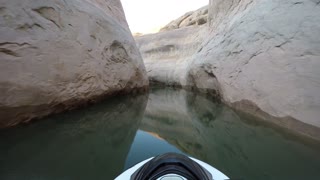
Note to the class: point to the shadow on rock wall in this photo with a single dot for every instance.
(90, 143)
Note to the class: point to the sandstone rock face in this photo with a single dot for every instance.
(194, 18)
(55, 55)
(166, 54)
(261, 57)
(264, 59)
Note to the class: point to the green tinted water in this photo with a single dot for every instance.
(101, 141)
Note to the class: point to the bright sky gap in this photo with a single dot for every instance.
(148, 16)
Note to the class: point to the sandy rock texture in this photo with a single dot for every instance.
(56, 55)
(261, 57)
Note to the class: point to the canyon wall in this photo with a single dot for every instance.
(56, 55)
(166, 54)
(263, 57)
(260, 57)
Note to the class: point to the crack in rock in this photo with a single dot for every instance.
(8, 52)
(50, 14)
(28, 26)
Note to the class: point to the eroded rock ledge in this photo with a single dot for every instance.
(57, 55)
(263, 52)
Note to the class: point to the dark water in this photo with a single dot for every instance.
(101, 141)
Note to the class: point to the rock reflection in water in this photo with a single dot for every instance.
(100, 141)
(214, 133)
(89, 143)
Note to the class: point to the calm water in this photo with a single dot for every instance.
(101, 141)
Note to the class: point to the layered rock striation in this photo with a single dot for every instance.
(56, 55)
(261, 57)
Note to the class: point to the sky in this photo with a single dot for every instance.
(148, 16)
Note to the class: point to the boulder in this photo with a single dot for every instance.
(57, 55)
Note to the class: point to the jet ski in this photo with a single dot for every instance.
(172, 166)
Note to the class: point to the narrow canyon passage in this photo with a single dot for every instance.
(89, 88)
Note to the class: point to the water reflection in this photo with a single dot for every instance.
(90, 143)
(199, 127)
(100, 141)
